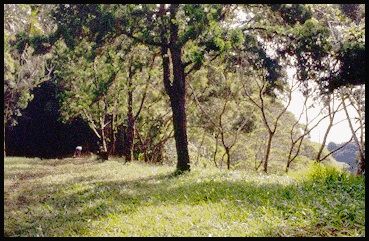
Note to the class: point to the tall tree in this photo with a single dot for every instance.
(179, 31)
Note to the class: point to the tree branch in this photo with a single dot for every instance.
(146, 86)
(141, 40)
(339, 148)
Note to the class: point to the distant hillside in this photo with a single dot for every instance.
(347, 154)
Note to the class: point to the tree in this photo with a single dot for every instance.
(22, 69)
(271, 123)
(86, 85)
(99, 82)
(218, 102)
(177, 28)
(298, 132)
(356, 97)
(329, 52)
(136, 66)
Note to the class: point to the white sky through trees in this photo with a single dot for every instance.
(339, 133)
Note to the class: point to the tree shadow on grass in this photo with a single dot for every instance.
(82, 199)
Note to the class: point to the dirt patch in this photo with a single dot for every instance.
(20, 177)
(22, 200)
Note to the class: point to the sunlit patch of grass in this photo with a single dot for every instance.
(85, 197)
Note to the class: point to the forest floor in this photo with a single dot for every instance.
(86, 197)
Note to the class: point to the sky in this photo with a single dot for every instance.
(339, 133)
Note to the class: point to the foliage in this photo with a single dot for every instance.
(86, 79)
(22, 72)
(351, 53)
(22, 69)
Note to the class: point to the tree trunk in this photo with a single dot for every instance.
(361, 166)
(129, 139)
(289, 157)
(104, 155)
(180, 133)
(318, 156)
(4, 142)
(131, 122)
(360, 145)
(112, 136)
(103, 139)
(269, 145)
(292, 158)
(119, 142)
(176, 89)
(216, 150)
(178, 103)
(288, 166)
(228, 159)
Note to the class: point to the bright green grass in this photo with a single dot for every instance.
(84, 197)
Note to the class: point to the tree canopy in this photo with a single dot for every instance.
(107, 60)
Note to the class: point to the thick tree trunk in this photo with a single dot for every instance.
(180, 133)
(178, 103)
(176, 89)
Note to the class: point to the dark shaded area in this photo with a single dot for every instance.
(354, 11)
(292, 13)
(352, 70)
(40, 133)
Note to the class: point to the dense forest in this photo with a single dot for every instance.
(184, 85)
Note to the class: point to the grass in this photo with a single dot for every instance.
(84, 197)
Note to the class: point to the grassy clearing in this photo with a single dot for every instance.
(84, 197)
